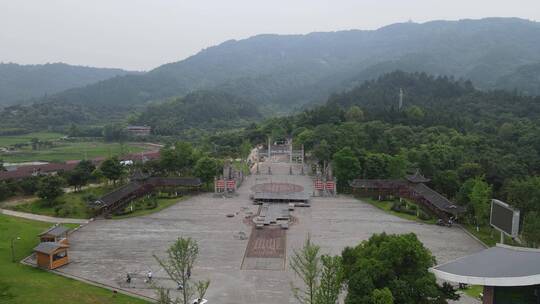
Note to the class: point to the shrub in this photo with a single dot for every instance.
(397, 206)
(424, 215)
(124, 211)
(64, 210)
(29, 185)
(89, 197)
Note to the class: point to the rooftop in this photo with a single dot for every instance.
(417, 178)
(49, 247)
(437, 199)
(55, 231)
(497, 266)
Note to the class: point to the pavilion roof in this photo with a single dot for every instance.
(49, 247)
(497, 266)
(437, 200)
(56, 231)
(417, 178)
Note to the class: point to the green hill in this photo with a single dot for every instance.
(201, 110)
(23, 82)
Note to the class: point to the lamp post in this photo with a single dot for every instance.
(13, 247)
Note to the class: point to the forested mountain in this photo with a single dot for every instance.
(284, 71)
(525, 79)
(23, 82)
(201, 110)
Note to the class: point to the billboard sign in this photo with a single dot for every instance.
(504, 218)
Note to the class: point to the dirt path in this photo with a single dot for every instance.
(15, 201)
(43, 218)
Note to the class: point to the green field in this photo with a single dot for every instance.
(28, 285)
(26, 138)
(64, 150)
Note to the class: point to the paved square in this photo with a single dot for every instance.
(105, 250)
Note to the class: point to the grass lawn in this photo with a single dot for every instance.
(74, 204)
(25, 138)
(387, 206)
(31, 286)
(489, 235)
(65, 150)
(162, 203)
(474, 291)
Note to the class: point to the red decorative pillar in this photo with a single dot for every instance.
(489, 295)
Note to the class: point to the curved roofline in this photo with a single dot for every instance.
(526, 249)
(489, 281)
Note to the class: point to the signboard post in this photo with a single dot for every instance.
(504, 218)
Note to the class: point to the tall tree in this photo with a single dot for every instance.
(112, 169)
(306, 265)
(331, 280)
(181, 257)
(50, 188)
(206, 168)
(480, 197)
(245, 149)
(346, 166)
(322, 151)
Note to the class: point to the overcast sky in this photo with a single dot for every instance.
(143, 34)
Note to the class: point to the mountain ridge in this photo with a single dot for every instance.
(283, 72)
(20, 83)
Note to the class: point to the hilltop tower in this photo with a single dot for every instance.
(400, 99)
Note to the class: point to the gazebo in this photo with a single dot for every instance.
(509, 274)
(51, 255)
(57, 233)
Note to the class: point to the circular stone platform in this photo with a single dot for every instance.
(277, 188)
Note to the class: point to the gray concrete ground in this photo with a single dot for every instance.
(105, 250)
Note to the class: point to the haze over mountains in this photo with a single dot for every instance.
(283, 72)
(22, 82)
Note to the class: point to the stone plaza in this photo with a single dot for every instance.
(104, 251)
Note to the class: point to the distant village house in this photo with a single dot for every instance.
(139, 130)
